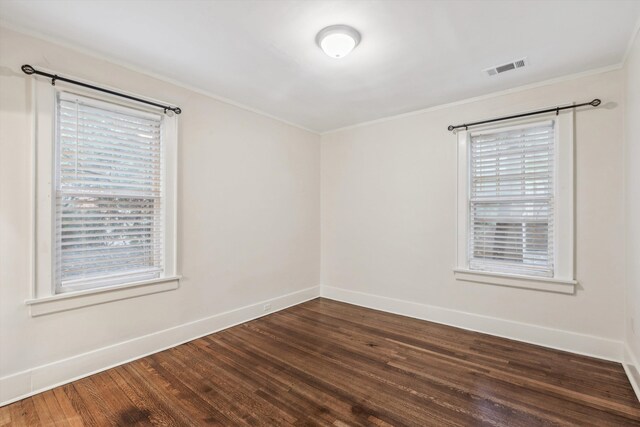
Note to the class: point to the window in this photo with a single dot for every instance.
(511, 200)
(109, 183)
(105, 192)
(515, 204)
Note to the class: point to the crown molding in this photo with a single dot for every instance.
(491, 95)
(61, 42)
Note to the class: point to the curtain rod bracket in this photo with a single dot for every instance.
(29, 70)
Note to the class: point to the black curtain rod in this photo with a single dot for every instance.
(28, 69)
(593, 103)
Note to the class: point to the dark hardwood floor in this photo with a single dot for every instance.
(329, 363)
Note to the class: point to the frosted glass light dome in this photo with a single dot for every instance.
(337, 41)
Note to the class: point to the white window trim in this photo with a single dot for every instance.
(43, 297)
(563, 280)
(77, 299)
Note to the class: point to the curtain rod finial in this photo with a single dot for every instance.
(450, 128)
(28, 69)
(595, 102)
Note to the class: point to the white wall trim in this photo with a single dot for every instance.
(514, 281)
(568, 77)
(562, 279)
(23, 384)
(73, 300)
(93, 54)
(632, 369)
(632, 39)
(41, 36)
(558, 339)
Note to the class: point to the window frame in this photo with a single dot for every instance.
(45, 297)
(563, 280)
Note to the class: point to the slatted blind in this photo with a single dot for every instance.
(511, 200)
(108, 194)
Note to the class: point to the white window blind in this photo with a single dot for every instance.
(511, 200)
(109, 215)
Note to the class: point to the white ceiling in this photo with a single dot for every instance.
(413, 54)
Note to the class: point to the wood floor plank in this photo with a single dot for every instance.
(151, 408)
(281, 386)
(70, 415)
(123, 410)
(328, 363)
(70, 394)
(404, 383)
(228, 378)
(377, 371)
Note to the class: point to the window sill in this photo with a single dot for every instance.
(516, 281)
(73, 300)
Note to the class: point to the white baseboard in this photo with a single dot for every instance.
(632, 369)
(41, 378)
(573, 342)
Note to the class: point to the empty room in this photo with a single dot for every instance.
(319, 212)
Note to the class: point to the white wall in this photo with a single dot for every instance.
(249, 224)
(632, 170)
(388, 221)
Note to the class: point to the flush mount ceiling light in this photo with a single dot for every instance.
(338, 40)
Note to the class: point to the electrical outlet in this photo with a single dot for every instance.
(267, 307)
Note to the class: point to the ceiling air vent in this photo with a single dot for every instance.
(492, 71)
